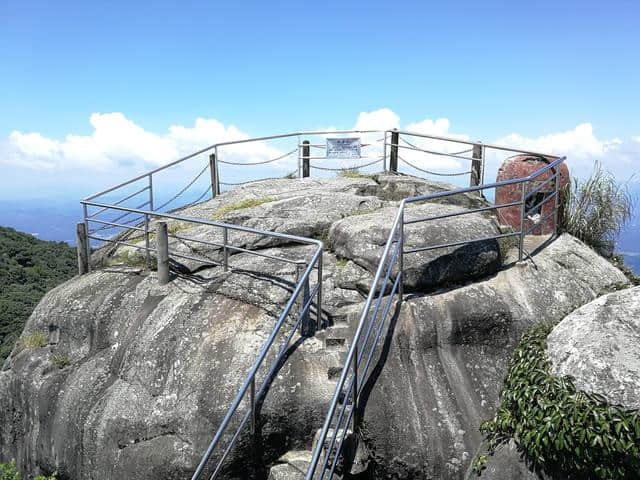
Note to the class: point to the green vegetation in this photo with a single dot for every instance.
(562, 432)
(248, 203)
(33, 340)
(60, 360)
(8, 472)
(177, 227)
(596, 209)
(354, 173)
(131, 259)
(618, 261)
(28, 269)
(342, 262)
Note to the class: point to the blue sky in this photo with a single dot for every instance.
(535, 70)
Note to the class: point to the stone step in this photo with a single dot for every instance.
(335, 343)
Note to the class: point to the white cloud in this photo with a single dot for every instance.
(582, 148)
(118, 148)
(383, 119)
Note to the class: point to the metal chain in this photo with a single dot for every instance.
(184, 189)
(434, 173)
(444, 153)
(258, 180)
(260, 163)
(127, 222)
(346, 168)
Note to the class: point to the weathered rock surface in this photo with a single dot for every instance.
(447, 354)
(151, 369)
(362, 239)
(599, 345)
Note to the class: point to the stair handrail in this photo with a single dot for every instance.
(387, 261)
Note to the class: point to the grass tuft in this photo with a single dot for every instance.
(248, 203)
(60, 360)
(596, 209)
(342, 262)
(34, 340)
(354, 173)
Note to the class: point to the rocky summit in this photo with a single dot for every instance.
(136, 377)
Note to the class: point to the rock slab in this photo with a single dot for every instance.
(599, 345)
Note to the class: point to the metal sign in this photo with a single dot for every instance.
(343, 147)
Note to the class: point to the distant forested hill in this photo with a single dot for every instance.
(28, 269)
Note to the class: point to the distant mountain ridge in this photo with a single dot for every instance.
(29, 268)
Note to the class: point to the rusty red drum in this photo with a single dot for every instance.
(540, 219)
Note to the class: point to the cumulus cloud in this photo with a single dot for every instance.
(117, 147)
(117, 141)
(582, 148)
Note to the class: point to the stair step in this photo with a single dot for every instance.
(335, 342)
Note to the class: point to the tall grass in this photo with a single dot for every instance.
(596, 209)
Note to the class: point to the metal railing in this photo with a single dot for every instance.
(134, 222)
(341, 412)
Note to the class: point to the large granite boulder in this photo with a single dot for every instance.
(362, 239)
(136, 377)
(446, 356)
(599, 346)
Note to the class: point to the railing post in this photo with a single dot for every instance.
(393, 156)
(162, 244)
(384, 152)
(522, 210)
(88, 242)
(476, 167)
(319, 296)
(214, 175)
(557, 202)
(401, 252)
(81, 246)
(306, 153)
(150, 192)
(225, 250)
(146, 240)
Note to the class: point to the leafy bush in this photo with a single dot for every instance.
(596, 209)
(8, 472)
(561, 431)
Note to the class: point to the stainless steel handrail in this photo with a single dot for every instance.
(396, 260)
(352, 361)
(250, 379)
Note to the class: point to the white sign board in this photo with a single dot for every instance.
(343, 147)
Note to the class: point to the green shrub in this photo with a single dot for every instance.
(596, 209)
(8, 472)
(562, 432)
(60, 360)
